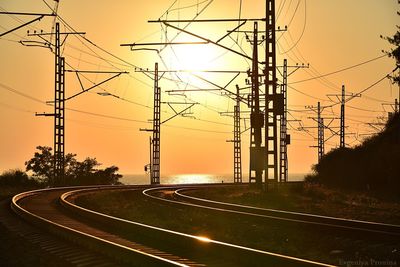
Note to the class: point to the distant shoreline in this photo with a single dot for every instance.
(194, 178)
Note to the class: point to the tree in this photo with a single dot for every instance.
(42, 164)
(395, 52)
(86, 173)
(373, 165)
(108, 176)
(76, 172)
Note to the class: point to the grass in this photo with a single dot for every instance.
(304, 241)
(313, 198)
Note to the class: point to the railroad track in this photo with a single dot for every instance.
(134, 243)
(376, 240)
(39, 247)
(44, 209)
(272, 214)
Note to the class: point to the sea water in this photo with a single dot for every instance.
(131, 179)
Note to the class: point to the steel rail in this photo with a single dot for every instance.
(292, 261)
(39, 246)
(128, 254)
(185, 243)
(360, 225)
(191, 245)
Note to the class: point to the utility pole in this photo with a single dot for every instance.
(155, 177)
(342, 100)
(155, 141)
(262, 158)
(156, 130)
(320, 130)
(321, 139)
(284, 140)
(321, 126)
(273, 100)
(284, 137)
(59, 113)
(342, 122)
(60, 99)
(237, 140)
(237, 150)
(256, 119)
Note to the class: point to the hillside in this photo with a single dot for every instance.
(374, 165)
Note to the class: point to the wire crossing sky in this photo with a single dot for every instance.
(339, 39)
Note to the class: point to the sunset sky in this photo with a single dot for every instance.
(330, 35)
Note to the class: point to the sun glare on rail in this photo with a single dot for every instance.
(203, 239)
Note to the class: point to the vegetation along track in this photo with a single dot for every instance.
(296, 217)
(333, 239)
(131, 242)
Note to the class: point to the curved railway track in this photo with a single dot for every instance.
(376, 240)
(40, 248)
(271, 214)
(44, 208)
(134, 243)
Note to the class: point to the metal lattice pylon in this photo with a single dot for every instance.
(256, 119)
(273, 100)
(155, 168)
(342, 122)
(283, 173)
(321, 138)
(59, 112)
(237, 141)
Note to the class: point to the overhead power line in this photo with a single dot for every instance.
(311, 96)
(340, 70)
(302, 31)
(8, 88)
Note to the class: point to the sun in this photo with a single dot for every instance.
(190, 57)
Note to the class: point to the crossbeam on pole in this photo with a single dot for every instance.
(205, 20)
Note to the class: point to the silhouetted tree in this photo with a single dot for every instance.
(109, 175)
(42, 166)
(395, 52)
(76, 172)
(83, 170)
(373, 165)
(87, 173)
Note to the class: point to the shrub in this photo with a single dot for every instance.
(373, 165)
(17, 178)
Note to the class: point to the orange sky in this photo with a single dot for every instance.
(330, 35)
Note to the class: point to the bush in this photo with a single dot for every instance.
(17, 178)
(84, 172)
(373, 165)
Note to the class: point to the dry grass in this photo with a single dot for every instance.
(304, 241)
(312, 198)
